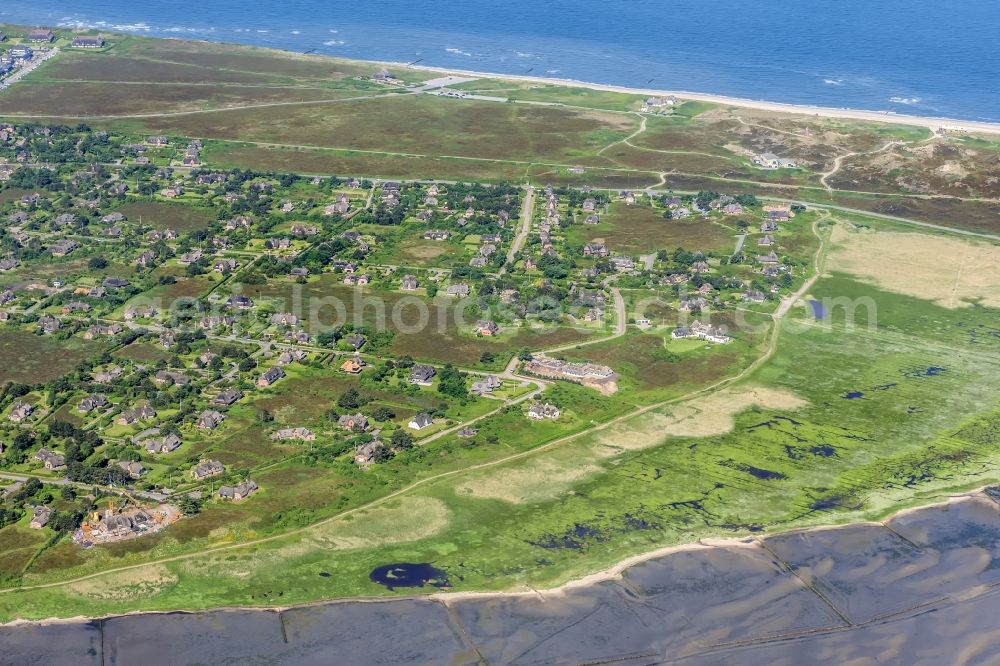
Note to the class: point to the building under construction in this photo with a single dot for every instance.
(128, 522)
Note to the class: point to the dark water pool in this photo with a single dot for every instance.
(408, 574)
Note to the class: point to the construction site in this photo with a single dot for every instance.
(128, 521)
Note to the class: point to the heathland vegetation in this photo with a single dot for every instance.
(272, 322)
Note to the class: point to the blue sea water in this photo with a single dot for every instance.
(923, 57)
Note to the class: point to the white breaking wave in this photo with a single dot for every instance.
(92, 25)
(459, 52)
(833, 82)
(189, 31)
(334, 42)
(905, 100)
(522, 54)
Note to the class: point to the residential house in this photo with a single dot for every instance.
(63, 247)
(137, 414)
(92, 402)
(290, 355)
(224, 266)
(353, 422)
(209, 420)
(595, 250)
(167, 339)
(133, 468)
(49, 324)
(458, 290)
(239, 492)
(422, 375)
(240, 302)
(486, 327)
(303, 230)
(213, 322)
(352, 366)
(410, 283)
(769, 258)
(368, 453)
(702, 331)
(189, 258)
(623, 263)
(145, 259)
(227, 397)
(207, 469)
(300, 434)
(88, 42)
(108, 376)
(421, 421)
(284, 319)
(99, 331)
(543, 410)
(166, 376)
(270, 377)
(164, 444)
(40, 517)
(50, 459)
(41, 36)
(139, 312)
(114, 283)
(486, 385)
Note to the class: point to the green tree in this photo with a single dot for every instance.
(452, 382)
(349, 399)
(401, 440)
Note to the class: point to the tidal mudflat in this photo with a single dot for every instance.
(920, 588)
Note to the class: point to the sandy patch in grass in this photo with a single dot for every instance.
(542, 479)
(714, 414)
(406, 519)
(948, 271)
(124, 585)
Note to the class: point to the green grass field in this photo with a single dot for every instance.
(803, 420)
(642, 229)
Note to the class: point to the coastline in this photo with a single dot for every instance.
(889, 117)
(615, 572)
(933, 123)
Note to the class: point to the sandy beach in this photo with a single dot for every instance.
(921, 586)
(614, 572)
(934, 124)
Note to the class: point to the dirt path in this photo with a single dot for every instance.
(526, 211)
(642, 128)
(839, 160)
(620, 329)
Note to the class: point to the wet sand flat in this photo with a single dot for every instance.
(866, 571)
(960, 634)
(922, 588)
(67, 644)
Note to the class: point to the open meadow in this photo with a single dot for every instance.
(359, 349)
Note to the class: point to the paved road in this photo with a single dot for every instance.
(27, 68)
(159, 497)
